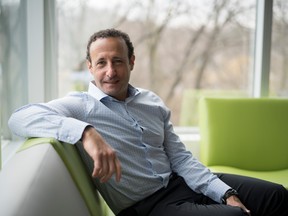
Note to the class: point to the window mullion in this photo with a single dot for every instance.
(262, 48)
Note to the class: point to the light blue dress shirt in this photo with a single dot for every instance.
(140, 131)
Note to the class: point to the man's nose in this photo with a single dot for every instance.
(111, 72)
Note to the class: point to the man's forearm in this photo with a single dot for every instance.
(35, 121)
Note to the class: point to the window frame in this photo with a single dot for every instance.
(40, 55)
(262, 47)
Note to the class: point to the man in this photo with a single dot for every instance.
(126, 132)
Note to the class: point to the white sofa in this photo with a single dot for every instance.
(47, 177)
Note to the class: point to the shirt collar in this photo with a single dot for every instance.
(94, 91)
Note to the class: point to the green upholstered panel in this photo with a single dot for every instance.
(250, 134)
(74, 164)
(279, 176)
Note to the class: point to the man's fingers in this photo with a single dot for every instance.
(108, 170)
(97, 167)
(118, 169)
(235, 201)
(114, 168)
(246, 211)
(105, 166)
(105, 160)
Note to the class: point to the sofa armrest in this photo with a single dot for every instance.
(39, 180)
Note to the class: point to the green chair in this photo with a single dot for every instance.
(47, 177)
(245, 136)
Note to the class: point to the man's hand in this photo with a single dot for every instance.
(105, 160)
(235, 201)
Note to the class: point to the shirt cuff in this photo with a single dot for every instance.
(217, 189)
(71, 130)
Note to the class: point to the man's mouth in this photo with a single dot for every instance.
(111, 82)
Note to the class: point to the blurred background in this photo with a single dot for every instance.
(184, 50)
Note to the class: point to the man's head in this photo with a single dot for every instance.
(110, 33)
(110, 59)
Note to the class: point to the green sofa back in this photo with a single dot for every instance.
(246, 133)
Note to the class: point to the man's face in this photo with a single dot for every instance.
(110, 66)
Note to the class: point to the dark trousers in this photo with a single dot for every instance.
(262, 198)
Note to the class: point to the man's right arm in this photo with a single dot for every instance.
(62, 119)
(65, 120)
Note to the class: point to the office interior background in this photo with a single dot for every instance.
(184, 50)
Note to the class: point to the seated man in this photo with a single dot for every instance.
(126, 132)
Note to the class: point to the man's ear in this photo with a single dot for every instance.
(131, 62)
(89, 65)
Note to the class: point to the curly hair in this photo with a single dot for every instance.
(110, 33)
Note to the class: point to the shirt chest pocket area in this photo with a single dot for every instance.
(153, 133)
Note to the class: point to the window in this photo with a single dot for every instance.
(279, 50)
(184, 49)
(12, 59)
(28, 57)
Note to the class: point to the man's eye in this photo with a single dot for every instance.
(100, 63)
(118, 61)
